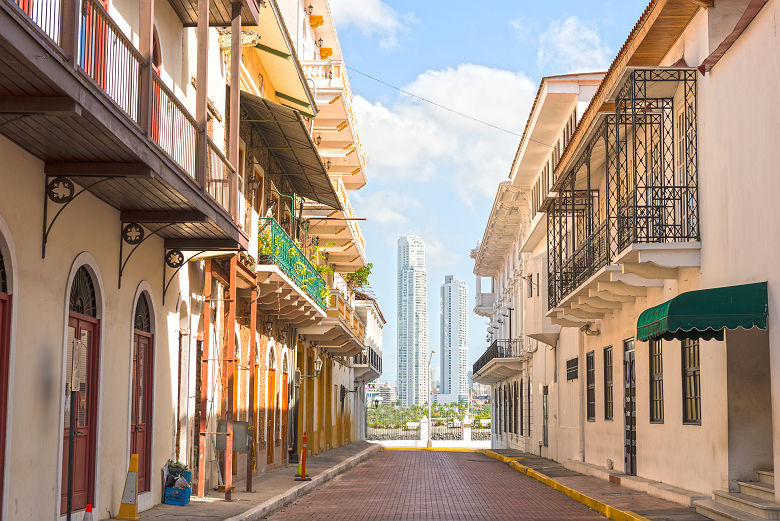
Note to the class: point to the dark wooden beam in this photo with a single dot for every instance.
(39, 105)
(202, 244)
(162, 216)
(97, 169)
(703, 3)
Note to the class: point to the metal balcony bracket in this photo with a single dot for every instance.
(61, 190)
(134, 235)
(174, 259)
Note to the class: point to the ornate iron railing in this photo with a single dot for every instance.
(277, 247)
(650, 178)
(498, 349)
(371, 358)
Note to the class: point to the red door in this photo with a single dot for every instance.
(271, 413)
(140, 428)
(5, 334)
(82, 330)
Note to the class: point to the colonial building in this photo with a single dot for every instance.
(166, 153)
(646, 348)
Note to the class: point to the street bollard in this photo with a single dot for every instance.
(303, 476)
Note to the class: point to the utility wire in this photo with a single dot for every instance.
(448, 109)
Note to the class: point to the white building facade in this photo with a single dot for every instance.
(453, 341)
(413, 385)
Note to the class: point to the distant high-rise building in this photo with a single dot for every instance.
(412, 322)
(454, 351)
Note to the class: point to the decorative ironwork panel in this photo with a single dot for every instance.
(82, 294)
(142, 321)
(277, 247)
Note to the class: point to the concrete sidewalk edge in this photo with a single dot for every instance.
(277, 503)
(611, 512)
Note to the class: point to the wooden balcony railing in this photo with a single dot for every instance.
(339, 307)
(46, 15)
(173, 128)
(220, 176)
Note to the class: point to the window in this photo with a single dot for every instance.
(545, 415)
(656, 382)
(521, 407)
(572, 368)
(608, 393)
(590, 366)
(691, 382)
(518, 405)
(528, 407)
(537, 284)
(530, 284)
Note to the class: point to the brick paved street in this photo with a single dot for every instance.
(422, 485)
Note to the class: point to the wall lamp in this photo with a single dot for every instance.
(298, 377)
(318, 140)
(310, 9)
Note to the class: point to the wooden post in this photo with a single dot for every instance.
(201, 94)
(252, 356)
(231, 349)
(71, 14)
(204, 381)
(146, 47)
(235, 106)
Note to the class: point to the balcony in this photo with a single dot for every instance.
(501, 360)
(626, 213)
(337, 231)
(342, 332)
(484, 303)
(336, 124)
(290, 285)
(96, 113)
(367, 365)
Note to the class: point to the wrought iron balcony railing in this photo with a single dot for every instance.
(649, 179)
(371, 359)
(498, 349)
(277, 247)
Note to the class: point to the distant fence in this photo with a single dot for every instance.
(480, 434)
(443, 432)
(393, 433)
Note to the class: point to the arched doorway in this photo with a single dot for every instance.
(141, 421)
(271, 405)
(5, 348)
(81, 383)
(285, 398)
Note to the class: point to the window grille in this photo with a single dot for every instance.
(590, 366)
(572, 368)
(691, 382)
(608, 391)
(656, 382)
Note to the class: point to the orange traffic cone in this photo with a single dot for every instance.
(87, 513)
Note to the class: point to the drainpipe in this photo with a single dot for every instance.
(581, 387)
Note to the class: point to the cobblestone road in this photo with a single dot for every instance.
(422, 485)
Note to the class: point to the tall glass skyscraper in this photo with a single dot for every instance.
(454, 351)
(412, 322)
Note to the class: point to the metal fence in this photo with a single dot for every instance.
(392, 433)
(480, 433)
(447, 432)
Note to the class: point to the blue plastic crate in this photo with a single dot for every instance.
(177, 496)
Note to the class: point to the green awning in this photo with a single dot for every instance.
(705, 313)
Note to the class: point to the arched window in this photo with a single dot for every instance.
(156, 52)
(82, 294)
(271, 357)
(284, 363)
(3, 276)
(5, 341)
(142, 320)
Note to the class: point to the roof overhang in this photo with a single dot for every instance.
(507, 218)
(283, 131)
(282, 297)
(499, 369)
(335, 335)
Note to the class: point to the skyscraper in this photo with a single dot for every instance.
(412, 322)
(454, 351)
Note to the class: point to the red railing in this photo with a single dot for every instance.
(109, 58)
(172, 127)
(45, 14)
(219, 176)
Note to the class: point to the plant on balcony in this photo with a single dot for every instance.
(357, 280)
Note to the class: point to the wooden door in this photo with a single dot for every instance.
(270, 412)
(285, 396)
(629, 377)
(84, 330)
(141, 422)
(5, 337)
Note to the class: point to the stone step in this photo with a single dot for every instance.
(766, 476)
(749, 504)
(721, 512)
(757, 489)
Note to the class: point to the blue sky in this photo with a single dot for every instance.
(431, 172)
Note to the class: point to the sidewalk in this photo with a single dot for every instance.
(611, 494)
(272, 490)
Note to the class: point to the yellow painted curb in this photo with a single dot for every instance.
(497, 456)
(600, 507)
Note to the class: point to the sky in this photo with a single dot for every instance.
(432, 172)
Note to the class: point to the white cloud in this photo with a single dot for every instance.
(572, 45)
(417, 142)
(373, 17)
